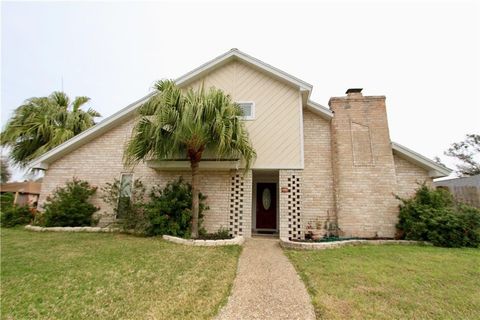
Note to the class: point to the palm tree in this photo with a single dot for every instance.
(184, 124)
(5, 173)
(42, 123)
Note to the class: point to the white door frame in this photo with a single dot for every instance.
(265, 177)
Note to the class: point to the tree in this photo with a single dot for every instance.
(42, 123)
(439, 161)
(5, 173)
(176, 124)
(467, 152)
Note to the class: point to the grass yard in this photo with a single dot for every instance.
(111, 276)
(392, 282)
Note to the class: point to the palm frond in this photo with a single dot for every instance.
(42, 123)
(78, 102)
(60, 98)
(173, 121)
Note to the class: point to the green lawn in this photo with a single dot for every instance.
(392, 282)
(111, 276)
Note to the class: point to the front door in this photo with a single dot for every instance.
(266, 206)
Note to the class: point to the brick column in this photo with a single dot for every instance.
(240, 208)
(290, 204)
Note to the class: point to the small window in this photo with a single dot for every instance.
(125, 194)
(248, 110)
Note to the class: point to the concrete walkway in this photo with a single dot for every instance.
(266, 286)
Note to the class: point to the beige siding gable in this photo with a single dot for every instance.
(276, 130)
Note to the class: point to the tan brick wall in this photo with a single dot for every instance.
(409, 176)
(317, 192)
(365, 203)
(359, 187)
(100, 161)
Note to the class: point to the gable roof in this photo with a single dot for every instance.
(235, 54)
(128, 111)
(435, 170)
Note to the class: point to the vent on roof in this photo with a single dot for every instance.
(354, 90)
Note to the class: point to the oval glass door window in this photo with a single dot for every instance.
(266, 198)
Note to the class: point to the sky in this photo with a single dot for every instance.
(423, 56)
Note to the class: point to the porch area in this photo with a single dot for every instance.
(259, 202)
(266, 203)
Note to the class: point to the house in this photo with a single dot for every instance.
(25, 193)
(464, 189)
(333, 167)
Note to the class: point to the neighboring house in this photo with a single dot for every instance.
(465, 189)
(25, 193)
(314, 165)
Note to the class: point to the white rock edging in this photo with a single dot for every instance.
(285, 243)
(70, 229)
(206, 243)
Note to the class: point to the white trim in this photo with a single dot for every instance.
(166, 165)
(302, 136)
(277, 167)
(475, 178)
(41, 166)
(434, 169)
(271, 178)
(320, 110)
(131, 184)
(252, 113)
(235, 53)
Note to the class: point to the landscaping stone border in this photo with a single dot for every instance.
(206, 243)
(70, 229)
(287, 244)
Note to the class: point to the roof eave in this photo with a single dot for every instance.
(320, 110)
(44, 160)
(434, 169)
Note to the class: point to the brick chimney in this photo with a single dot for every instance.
(364, 171)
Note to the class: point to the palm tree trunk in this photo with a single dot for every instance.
(195, 198)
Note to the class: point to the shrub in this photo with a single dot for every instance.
(222, 233)
(6, 201)
(169, 210)
(16, 215)
(39, 218)
(129, 210)
(69, 206)
(435, 216)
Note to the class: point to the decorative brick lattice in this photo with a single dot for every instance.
(294, 207)
(237, 205)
